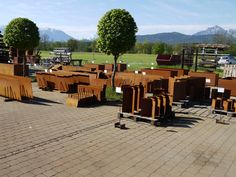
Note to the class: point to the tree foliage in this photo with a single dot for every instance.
(21, 33)
(73, 44)
(116, 34)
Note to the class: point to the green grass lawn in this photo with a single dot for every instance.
(135, 61)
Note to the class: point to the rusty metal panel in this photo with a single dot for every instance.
(211, 78)
(228, 83)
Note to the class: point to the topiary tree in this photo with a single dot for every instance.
(23, 34)
(116, 34)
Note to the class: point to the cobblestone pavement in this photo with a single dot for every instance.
(46, 138)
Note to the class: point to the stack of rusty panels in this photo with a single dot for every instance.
(61, 80)
(109, 67)
(132, 98)
(121, 67)
(156, 106)
(97, 91)
(25, 86)
(229, 105)
(81, 98)
(87, 94)
(195, 88)
(180, 72)
(157, 85)
(164, 73)
(124, 78)
(13, 69)
(41, 80)
(218, 98)
(102, 84)
(211, 78)
(70, 68)
(168, 59)
(177, 89)
(15, 87)
(95, 66)
(228, 83)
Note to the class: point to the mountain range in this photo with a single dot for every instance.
(205, 36)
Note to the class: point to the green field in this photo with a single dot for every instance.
(135, 61)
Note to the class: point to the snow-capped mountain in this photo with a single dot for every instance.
(211, 31)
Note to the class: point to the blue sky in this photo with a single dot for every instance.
(79, 18)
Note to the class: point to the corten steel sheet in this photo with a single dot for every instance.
(124, 78)
(13, 69)
(159, 109)
(168, 59)
(61, 80)
(82, 97)
(167, 104)
(177, 89)
(224, 95)
(229, 84)
(15, 87)
(10, 88)
(164, 73)
(109, 67)
(180, 72)
(121, 67)
(96, 66)
(207, 91)
(139, 95)
(97, 81)
(97, 91)
(128, 99)
(227, 105)
(217, 103)
(148, 107)
(211, 78)
(234, 106)
(195, 88)
(161, 84)
(25, 86)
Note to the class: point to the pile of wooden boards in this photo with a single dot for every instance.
(15, 87)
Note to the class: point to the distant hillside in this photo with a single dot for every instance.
(55, 35)
(205, 36)
(174, 38)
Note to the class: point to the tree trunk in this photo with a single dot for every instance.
(114, 72)
(24, 66)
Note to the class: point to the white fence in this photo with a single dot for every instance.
(229, 71)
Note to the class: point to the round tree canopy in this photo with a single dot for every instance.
(116, 32)
(21, 33)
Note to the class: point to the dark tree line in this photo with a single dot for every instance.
(91, 46)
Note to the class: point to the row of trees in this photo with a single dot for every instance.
(91, 46)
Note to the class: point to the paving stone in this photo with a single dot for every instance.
(46, 138)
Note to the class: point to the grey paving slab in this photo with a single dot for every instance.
(44, 137)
